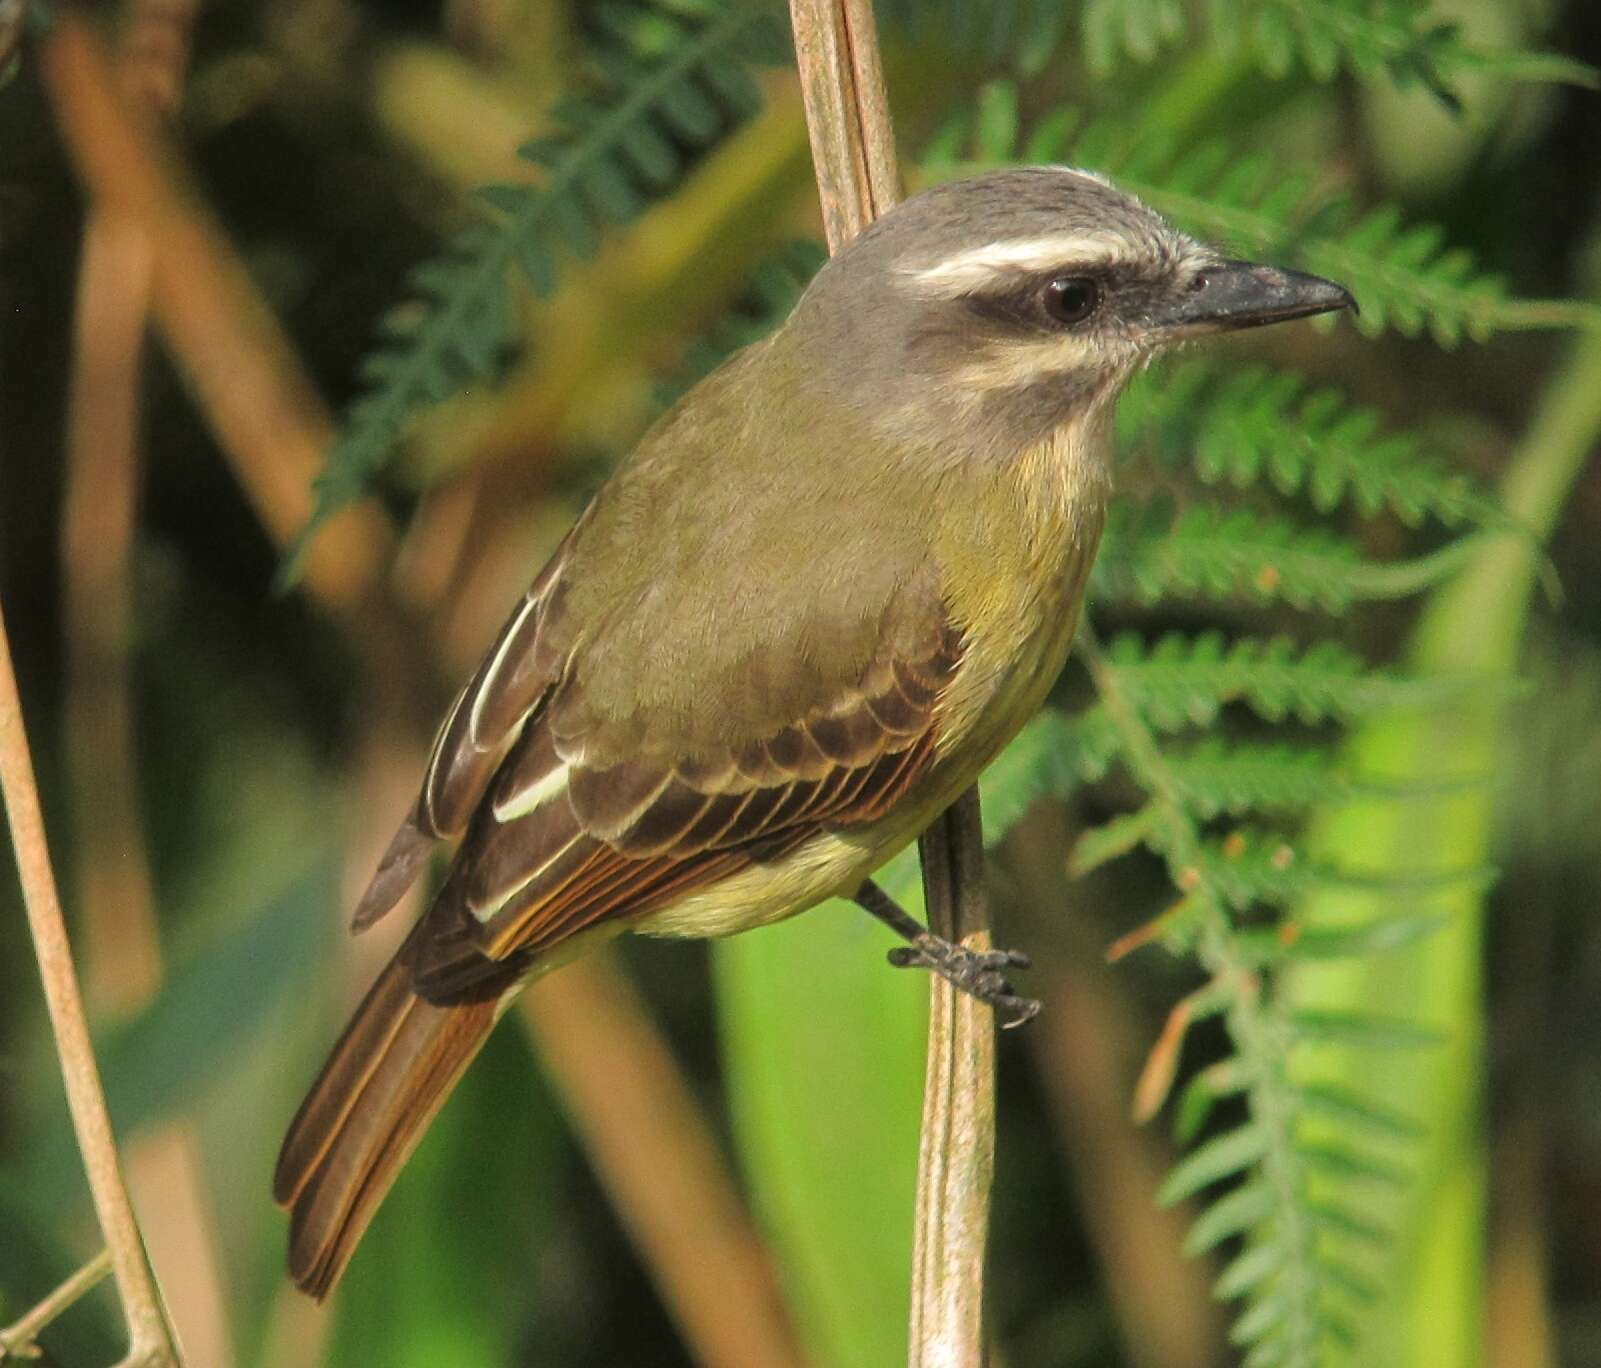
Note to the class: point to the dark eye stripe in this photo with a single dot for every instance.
(1016, 302)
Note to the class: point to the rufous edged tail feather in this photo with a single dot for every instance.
(392, 1069)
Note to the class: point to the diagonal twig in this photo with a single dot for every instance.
(150, 1339)
(853, 148)
(17, 1340)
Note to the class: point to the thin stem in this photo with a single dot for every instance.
(853, 153)
(17, 1339)
(149, 1336)
(956, 1150)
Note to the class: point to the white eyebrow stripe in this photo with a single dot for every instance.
(980, 265)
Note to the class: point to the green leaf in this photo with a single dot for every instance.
(1217, 1159)
(678, 83)
(1354, 1284)
(1368, 1029)
(1216, 777)
(1342, 1161)
(1270, 1353)
(1255, 425)
(1347, 1106)
(1367, 938)
(1338, 1219)
(1153, 553)
(1111, 839)
(1232, 1214)
(1181, 681)
(826, 1118)
(1259, 1319)
(1205, 1090)
(1249, 1269)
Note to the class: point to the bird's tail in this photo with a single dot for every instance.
(390, 1072)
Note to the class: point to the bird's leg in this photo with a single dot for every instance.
(975, 972)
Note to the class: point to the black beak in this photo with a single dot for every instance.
(1239, 294)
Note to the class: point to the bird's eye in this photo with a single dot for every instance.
(1071, 299)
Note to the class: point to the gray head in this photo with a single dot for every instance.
(1006, 306)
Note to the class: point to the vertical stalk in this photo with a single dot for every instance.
(956, 1155)
(150, 1340)
(853, 150)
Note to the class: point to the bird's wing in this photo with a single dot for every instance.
(483, 724)
(569, 823)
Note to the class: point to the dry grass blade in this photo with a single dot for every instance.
(150, 1339)
(853, 148)
(120, 936)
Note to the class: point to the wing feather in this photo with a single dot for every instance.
(483, 723)
(623, 839)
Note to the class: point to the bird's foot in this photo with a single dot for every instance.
(977, 973)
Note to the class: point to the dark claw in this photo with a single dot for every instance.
(975, 972)
(1021, 1009)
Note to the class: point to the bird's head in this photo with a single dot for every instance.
(1008, 305)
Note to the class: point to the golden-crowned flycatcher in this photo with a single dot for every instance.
(822, 593)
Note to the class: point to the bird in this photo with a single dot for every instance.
(824, 590)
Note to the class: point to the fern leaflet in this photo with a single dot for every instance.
(1239, 427)
(670, 85)
(1397, 38)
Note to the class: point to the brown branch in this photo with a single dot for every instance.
(853, 148)
(847, 114)
(150, 1340)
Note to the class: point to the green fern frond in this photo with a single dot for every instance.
(1153, 552)
(1286, 1213)
(1219, 778)
(671, 81)
(1021, 33)
(1185, 681)
(1401, 39)
(1254, 425)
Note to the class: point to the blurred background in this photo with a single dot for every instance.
(676, 1154)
